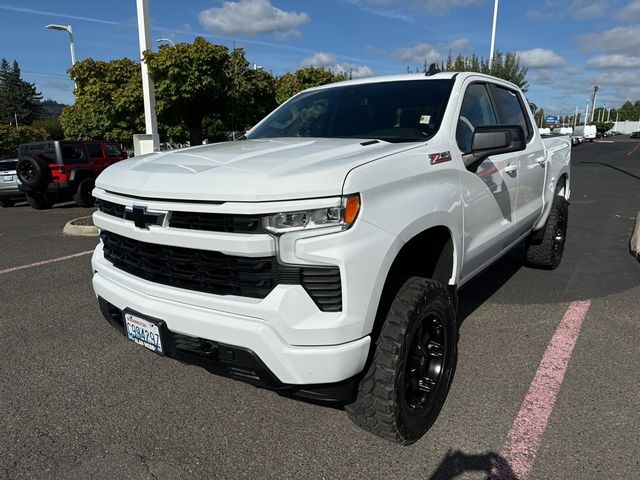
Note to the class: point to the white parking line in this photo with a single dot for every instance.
(46, 262)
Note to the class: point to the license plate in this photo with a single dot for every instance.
(8, 178)
(143, 332)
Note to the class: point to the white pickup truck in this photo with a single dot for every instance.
(321, 255)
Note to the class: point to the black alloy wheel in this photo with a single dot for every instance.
(425, 362)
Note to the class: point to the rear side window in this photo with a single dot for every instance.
(113, 150)
(73, 153)
(476, 111)
(46, 151)
(94, 150)
(510, 109)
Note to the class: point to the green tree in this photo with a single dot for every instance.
(603, 126)
(504, 65)
(191, 85)
(52, 126)
(108, 101)
(18, 99)
(291, 83)
(11, 137)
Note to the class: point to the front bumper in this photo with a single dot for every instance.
(290, 365)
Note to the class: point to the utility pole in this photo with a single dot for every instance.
(575, 118)
(493, 32)
(593, 100)
(151, 142)
(586, 114)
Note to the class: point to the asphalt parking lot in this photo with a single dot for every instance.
(79, 401)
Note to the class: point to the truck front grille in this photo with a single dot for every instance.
(211, 222)
(217, 273)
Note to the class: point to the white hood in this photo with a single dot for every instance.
(248, 170)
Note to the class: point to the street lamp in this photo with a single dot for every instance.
(69, 30)
(166, 40)
(493, 32)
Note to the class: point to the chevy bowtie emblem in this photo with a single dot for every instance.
(142, 218)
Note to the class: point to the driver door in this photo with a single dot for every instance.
(489, 193)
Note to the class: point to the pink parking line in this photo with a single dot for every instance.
(529, 426)
(45, 262)
(633, 150)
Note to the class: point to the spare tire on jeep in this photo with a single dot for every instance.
(33, 172)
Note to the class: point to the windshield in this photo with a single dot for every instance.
(400, 111)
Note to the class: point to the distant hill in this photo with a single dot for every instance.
(51, 109)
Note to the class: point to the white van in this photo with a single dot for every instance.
(587, 132)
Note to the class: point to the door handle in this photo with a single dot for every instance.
(541, 160)
(511, 167)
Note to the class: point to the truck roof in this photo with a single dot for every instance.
(411, 76)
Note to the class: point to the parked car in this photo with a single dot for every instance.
(322, 254)
(635, 134)
(9, 184)
(57, 171)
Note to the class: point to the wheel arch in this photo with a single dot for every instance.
(436, 249)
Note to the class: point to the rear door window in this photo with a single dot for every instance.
(94, 150)
(511, 110)
(73, 153)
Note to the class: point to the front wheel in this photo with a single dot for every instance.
(413, 365)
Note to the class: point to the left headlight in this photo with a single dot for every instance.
(342, 215)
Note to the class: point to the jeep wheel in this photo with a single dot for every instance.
(544, 248)
(413, 365)
(39, 201)
(83, 197)
(33, 173)
(7, 203)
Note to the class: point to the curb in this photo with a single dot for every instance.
(80, 230)
(634, 243)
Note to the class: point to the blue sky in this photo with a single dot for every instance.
(569, 45)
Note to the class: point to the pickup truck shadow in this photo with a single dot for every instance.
(456, 463)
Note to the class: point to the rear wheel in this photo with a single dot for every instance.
(544, 249)
(39, 201)
(83, 197)
(7, 203)
(413, 365)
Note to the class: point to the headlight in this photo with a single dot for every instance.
(342, 215)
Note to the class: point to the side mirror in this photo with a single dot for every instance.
(494, 140)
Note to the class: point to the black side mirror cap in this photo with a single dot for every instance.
(494, 140)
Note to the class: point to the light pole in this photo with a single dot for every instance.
(69, 30)
(493, 32)
(150, 142)
(168, 40)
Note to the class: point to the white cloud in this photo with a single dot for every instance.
(613, 61)
(540, 58)
(330, 62)
(542, 77)
(617, 78)
(616, 40)
(586, 9)
(421, 52)
(631, 11)
(252, 17)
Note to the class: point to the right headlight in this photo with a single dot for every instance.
(342, 215)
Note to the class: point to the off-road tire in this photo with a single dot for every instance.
(381, 406)
(33, 172)
(7, 203)
(544, 248)
(83, 197)
(39, 201)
